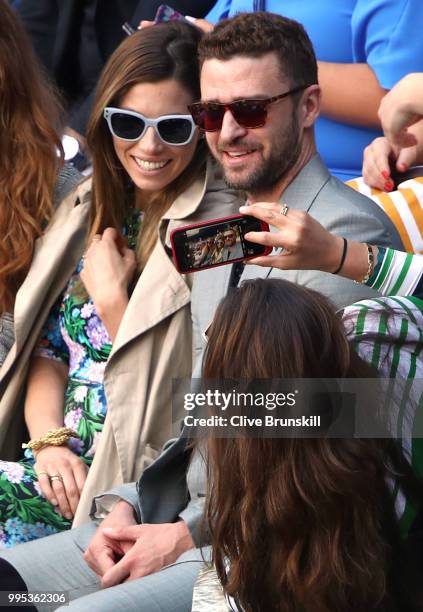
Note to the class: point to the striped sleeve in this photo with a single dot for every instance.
(404, 207)
(396, 273)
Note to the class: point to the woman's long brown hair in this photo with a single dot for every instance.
(29, 153)
(167, 51)
(303, 524)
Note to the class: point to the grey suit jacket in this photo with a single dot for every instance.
(162, 489)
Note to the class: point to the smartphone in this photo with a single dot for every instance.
(216, 243)
(167, 13)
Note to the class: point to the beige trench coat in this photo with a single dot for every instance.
(153, 344)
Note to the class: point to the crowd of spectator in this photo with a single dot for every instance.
(308, 119)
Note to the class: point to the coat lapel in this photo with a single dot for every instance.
(56, 254)
(160, 290)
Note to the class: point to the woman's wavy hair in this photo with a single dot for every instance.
(301, 524)
(152, 55)
(30, 153)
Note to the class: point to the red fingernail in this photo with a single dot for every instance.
(385, 174)
(389, 185)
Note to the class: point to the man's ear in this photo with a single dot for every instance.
(310, 105)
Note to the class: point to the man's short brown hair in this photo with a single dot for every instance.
(255, 34)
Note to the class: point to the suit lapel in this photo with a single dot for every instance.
(306, 186)
(162, 488)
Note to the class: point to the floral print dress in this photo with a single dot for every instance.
(72, 334)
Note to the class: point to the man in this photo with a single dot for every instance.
(260, 101)
(266, 148)
(233, 249)
(355, 44)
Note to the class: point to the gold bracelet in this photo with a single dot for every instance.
(54, 437)
(370, 265)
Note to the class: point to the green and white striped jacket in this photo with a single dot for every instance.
(398, 355)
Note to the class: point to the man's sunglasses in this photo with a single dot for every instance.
(128, 125)
(250, 113)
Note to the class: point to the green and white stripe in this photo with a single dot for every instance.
(397, 355)
(398, 273)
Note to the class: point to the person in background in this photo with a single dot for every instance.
(401, 147)
(74, 39)
(233, 248)
(354, 553)
(33, 178)
(361, 54)
(217, 252)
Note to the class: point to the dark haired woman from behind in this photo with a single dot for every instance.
(32, 177)
(304, 524)
(107, 315)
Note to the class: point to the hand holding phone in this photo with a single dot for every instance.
(164, 13)
(216, 242)
(167, 13)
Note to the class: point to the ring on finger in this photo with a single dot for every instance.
(284, 210)
(56, 477)
(41, 473)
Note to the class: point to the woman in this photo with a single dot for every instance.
(30, 186)
(306, 245)
(219, 245)
(121, 330)
(304, 524)
(401, 115)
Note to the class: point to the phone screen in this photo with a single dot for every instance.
(216, 243)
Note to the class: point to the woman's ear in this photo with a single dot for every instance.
(310, 105)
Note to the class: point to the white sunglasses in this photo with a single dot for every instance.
(128, 125)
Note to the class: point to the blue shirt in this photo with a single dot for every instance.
(385, 34)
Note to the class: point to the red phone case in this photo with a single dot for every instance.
(263, 226)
